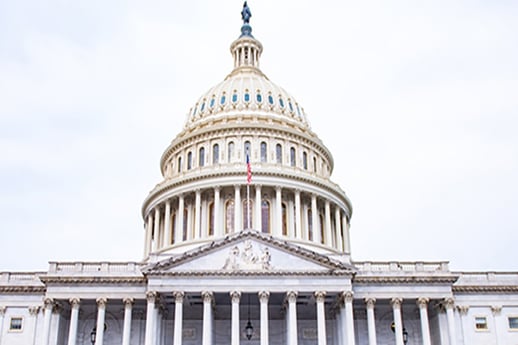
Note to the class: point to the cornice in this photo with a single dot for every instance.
(168, 185)
(414, 279)
(107, 280)
(244, 273)
(22, 289)
(486, 289)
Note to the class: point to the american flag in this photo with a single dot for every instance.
(248, 170)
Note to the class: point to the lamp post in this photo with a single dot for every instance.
(93, 335)
(249, 329)
(405, 333)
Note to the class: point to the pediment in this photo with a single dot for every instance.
(252, 253)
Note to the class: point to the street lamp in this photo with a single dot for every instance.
(93, 334)
(249, 329)
(405, 333)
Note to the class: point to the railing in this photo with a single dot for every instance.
(20, 278)
(403, 266)
(94, 267)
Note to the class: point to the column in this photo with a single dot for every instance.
(329, 237)
(126, 332)
(149, 231)
(496, 310)
(2, 315)
(338, 228)
(449, 303)
(180, 220)
(33, 312)
(314, 219)
(277, 231)
(349, 317)
(292, 317)
(218, 228)
(74, 316)
(208, 298)
(235, 296)
(321, 317)
(101, 313)
(156, 230)
(258, 215)
(49, 304)
(151, 297)
(347, 237)
(263, 299)
(167, 224)
(197, 214)
(371, 323)
(238, 224)
(422, 303)
(298, 226)
(178, 317)
(398, 321)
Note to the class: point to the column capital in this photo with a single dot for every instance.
(151, 296)
(74, 302)
(34, 310)
(207, 296)
(320, 296)
(422, 302)
(370, 302)
(48, 302)
(101, 302)
(449, 303)
(347, 296)
(128, 301)
(496, 309)
(235, 296)
(178, 296)
(2, 310)
(263, 296)
(463, 309)
(292, 296)
(278, 188)
(396, 302)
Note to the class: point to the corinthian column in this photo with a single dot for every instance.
(314, 220)
(218, 228)
(208, 297)
(277, 231)
(258, 216)
(371, 320)
(422, 303)
(2, 314)
(235, 296)
(151, 297)
(328, 233)
(74, 315)
(263, 299)
(156, 231)
(321, 317)
(179, 218)
(126, 333)
(101, 312)
(238, 223)
(167, 224)
(449, 303)
(298, 225)
(349, 317)
(49, 304)
(197, 214)
(178, 317)
(398, 321)
(292, 317)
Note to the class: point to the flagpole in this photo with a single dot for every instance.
(248, 203)
(248, 181)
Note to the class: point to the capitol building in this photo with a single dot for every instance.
(247, 241)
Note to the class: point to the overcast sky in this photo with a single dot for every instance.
(417, 101)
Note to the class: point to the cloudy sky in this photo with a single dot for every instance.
(417, 100)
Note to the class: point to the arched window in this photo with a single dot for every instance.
(179, 164)
(248, 207)
(264, 152)
(278, 153)
(305, 160)
(215, 154)
(230, 151)
(201, 158)
(314, 164)
(185, 215)
(246, 149)
(265, 216)
(293, 157)
(284, 220)
(211, 219)
(189, 160)
(310, 225)
(229, 217)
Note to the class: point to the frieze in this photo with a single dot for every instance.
(248, 258)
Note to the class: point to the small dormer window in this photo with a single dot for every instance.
(212, 102)
(291, 106)
(194, 111)
(202, 107)
(234, 97)
(270, 99)
(223, 99)
(247, 97)
(259, 97)
(281, 102)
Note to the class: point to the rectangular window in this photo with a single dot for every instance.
(16, 324)
(513, 322)
(481, 323)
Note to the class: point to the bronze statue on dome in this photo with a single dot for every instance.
(246, 14)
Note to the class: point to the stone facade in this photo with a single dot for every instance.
(265, 258)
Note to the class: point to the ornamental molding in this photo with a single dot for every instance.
(248, 258)
(23, 289)
(431, 279)
(485, 289)
(94, 280)
(252, 264)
